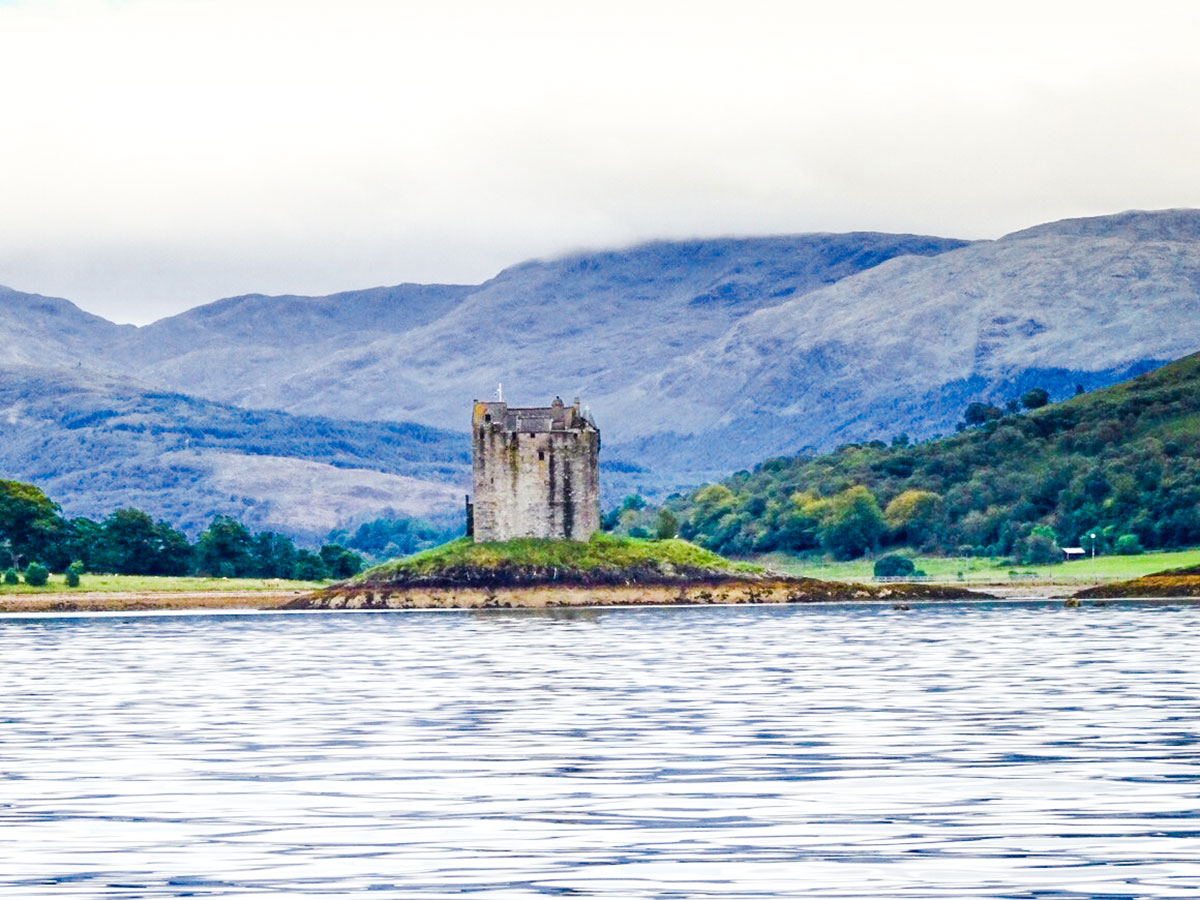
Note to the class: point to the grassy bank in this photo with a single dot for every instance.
(167, 584)
(984, 570)
(603, 559)
(604, 571)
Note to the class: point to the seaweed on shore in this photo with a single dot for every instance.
(1183, 582)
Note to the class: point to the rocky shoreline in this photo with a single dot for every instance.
(549, 596)
(143, 601)
(1177, 583)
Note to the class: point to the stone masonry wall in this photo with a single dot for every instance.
(534, 484)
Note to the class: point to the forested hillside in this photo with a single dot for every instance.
(1122, 463)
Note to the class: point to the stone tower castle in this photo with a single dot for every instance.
(536, 472)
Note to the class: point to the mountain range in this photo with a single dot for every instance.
(696, 358)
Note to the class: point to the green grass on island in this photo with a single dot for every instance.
(604, 557)
(195, 584)
(993, 570)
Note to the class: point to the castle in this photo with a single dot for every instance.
(535, 472)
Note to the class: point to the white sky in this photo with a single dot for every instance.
(157, 154)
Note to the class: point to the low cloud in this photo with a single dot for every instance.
(161, 154)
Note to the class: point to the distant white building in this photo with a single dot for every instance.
(1070, 553)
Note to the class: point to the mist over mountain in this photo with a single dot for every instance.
(577, 325)
(696, 357)
(903, 347)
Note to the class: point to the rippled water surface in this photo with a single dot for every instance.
(1006, 750)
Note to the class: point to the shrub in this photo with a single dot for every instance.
(74, 570)
(1035, 398)
(1038, 550)
(1128, 545)
(666, 526)
(10, 576)
(979, 413)
(310, 567)
(894, 566)
(36, 574)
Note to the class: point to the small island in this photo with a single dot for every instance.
(542, 573)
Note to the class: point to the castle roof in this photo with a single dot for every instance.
(535, 419)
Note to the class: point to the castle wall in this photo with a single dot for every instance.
(534, 484)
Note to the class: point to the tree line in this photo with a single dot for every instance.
(35, 534)
(1122, 464)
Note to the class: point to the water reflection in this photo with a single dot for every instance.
(1009, 750)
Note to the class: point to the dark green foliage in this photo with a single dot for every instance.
(11, 577)
(340, 562)
(394, 536)
(853, 525)
(309, 566)
(1035, 398)
(129, 542)
(274, 556)
(1038, 548)
(979, 413)
(1128, 545)
(666, 525)
(36, 574)
(226, 549)
(29, 521)
(1120, 461)
(627, 512)
(893, 565)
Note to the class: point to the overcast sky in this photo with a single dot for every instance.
(157, 154)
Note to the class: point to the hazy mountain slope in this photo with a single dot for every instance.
(903, 346)
(39, 330)
(1134, 224)
(580, 324)
(97, 444)
(246, 350)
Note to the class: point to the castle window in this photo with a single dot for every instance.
(541, 454)
(487, 417)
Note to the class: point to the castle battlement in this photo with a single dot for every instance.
(535, 472)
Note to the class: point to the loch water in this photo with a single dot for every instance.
(1001, 750)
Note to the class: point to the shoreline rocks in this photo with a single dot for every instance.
(1179, 583)
(730, 591)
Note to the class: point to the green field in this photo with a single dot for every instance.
(161, 583)
(941, 568)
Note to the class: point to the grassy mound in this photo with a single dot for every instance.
(603, 560)
(1183, 582)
